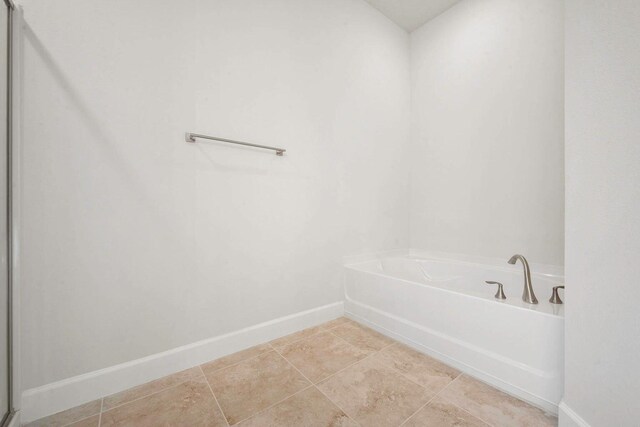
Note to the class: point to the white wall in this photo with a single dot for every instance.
(602, 379)
(487, 174)
(136, 242)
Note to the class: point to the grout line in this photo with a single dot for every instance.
(236, 363)
(214, 396)
(344, 369)
(150, 394)
(338, 336)
(327, 377)
(71, 423)
(418, 410)
(357, 361)
(275, 404)
(294, 367)
(99, 413)
(365, 329)
(354, 327)
(344, 322)
(464, 410)
(316, 387)
(457, 406)
(405, 376)
(101, 406)
(402, 374)
(432, 397)
(447, 386)
(336, 405)
(321, 330)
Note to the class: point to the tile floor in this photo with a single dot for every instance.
(336, 374)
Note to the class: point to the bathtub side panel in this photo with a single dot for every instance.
(515, 349)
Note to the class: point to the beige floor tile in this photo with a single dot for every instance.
(374, 394)
(69, 416)
(309, 408)
(150, 388)
(254, 385)
(296, 336)
(426, 371)
(188, 404)
(494, 406)
(234, 358)
(336, 322)
(362, 337)
(321, 355)
(439, 412)
(93, 421)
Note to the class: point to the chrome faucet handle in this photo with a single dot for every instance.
(528, 295)
(500, 294)
(555, 298)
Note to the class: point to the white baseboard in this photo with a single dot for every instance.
(55, 397)
(567, 417)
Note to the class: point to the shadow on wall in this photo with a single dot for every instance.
(91, 120)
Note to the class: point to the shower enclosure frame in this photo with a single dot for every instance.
(8, 417)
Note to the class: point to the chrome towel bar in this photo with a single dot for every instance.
(191, 137)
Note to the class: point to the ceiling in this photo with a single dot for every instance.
(411, 14)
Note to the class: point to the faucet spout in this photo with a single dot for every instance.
(527, 295)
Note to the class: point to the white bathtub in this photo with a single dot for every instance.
(443, 307)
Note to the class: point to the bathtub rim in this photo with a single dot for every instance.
(416, 253)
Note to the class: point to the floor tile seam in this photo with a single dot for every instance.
(76, 421)
(336, 404)
(297, 340)
(342, 340)
(439, 394)
(402, 374)
(81, 419)
(367, 356)
(100, 416)
(349, 325)
(337, 324)
(466, 411)
(343, 369)
(451, 382)
(492, 387)
(359, 349)
(317, 388)
(214, 396)
(294, 367)
(271, 406)
(433, 394)
(331, 328)
(236, 363)
(102, 411)
(330, 331)
(418, 410)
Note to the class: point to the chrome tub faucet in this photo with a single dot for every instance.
(555, 298)
(527, 296)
